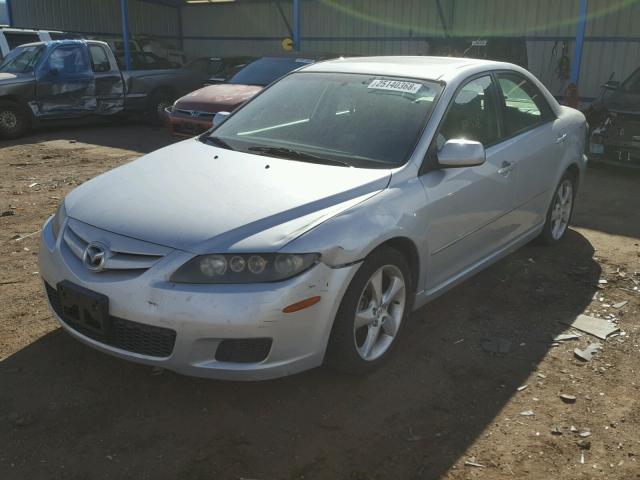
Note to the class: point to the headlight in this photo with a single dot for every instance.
(58, 220)
(244, 268)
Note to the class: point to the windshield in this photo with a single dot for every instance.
(368, 121)
(632, 84)
(267, 70)
(21, 59)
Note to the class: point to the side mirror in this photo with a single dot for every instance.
(458, 153)
(611, 85)
(53, 71)
(220, 117)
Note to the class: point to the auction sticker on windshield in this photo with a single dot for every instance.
(396, 86)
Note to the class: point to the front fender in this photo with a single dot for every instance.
(354, 233)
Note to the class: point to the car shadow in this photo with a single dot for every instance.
(121, 133)
(412, 418)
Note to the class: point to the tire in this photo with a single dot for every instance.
(560, 212)
(159, 101)
(14, 122)
(349, 343)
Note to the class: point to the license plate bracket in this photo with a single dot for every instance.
(84, 308)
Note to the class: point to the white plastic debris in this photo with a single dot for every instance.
(588, 353)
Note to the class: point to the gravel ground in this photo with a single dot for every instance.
(443, 407)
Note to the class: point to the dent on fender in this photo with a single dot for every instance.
(362, 228)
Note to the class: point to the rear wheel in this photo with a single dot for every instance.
(13, 120)
(560, 211)
(160, 100)
(372, 313)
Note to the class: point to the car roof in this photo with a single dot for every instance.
(428, 68)
(66, 40)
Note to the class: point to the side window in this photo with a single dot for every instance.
(15, 39)
(525, 106)
(472, 115)
(99, 59)
(68, 60)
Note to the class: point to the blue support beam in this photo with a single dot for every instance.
(577, 51)
(296, 25)
(179, 15)
(124, 10)
(9, 13)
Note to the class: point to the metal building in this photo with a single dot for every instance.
(607, 31)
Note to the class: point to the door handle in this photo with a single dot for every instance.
(505, 168)
(561, 138)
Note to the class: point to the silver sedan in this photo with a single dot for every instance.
(306, 226)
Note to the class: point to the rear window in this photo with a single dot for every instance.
(65, 36)
(267, 70)
(99, 59)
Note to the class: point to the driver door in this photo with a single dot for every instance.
(468, 210)
(65, 84)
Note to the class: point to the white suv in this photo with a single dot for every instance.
(11, 38)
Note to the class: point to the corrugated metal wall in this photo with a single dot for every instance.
(95, 16)
(404, 27)
(371, 27)
(254, 28)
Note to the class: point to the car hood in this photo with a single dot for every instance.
(199, 198)
(216, 98)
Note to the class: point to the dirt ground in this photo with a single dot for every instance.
(67, 411)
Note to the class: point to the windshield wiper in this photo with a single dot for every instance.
(217, 141)
(292, 154)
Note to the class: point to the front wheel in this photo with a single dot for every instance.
(560, 211)
(372, 313)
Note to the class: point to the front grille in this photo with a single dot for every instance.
(243, 350)
(77, 237)
(123, 334)
(195, 113)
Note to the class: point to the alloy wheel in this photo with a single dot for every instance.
(561, 211)
(379, 312)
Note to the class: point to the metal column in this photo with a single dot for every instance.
(9, 13)
(125, 33)
(296, 25)
(577, 51)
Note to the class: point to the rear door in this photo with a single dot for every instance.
(535, 142)
(468, 210)
(108, 80)
(65, 86)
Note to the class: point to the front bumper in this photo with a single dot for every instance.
(203, 316)
(616, 153)
(617, 141)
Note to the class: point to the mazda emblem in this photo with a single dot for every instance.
(95, 256)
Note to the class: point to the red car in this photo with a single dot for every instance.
(193, 113)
